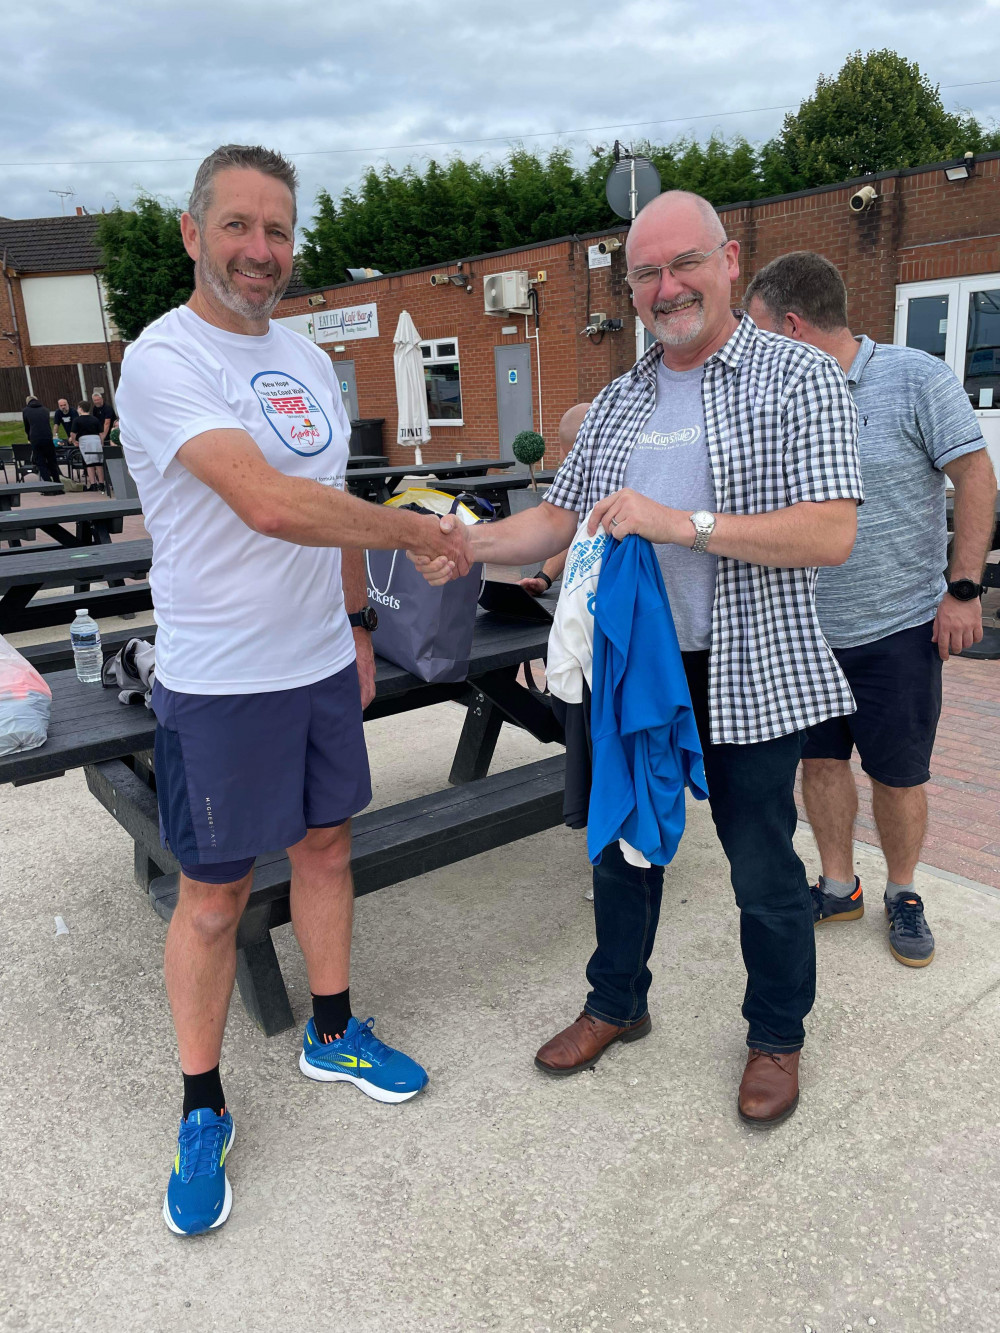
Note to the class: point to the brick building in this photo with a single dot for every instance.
(921, 263)
(56, 337)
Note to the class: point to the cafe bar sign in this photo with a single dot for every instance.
(352, 321)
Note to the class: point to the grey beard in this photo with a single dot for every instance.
(672, 336)
(228, 294)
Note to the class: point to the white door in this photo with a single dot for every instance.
(959, 322)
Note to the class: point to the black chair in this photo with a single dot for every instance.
(6, 456)
(72, 460)
(24, 461)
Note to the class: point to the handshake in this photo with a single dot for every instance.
(445, 550)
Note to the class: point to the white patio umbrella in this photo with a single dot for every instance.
(411, 396)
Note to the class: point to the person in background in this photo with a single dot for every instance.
(569, 426)
(102, 413)
(38, 429)
(889, 613)
(86, 435)
(62, 419)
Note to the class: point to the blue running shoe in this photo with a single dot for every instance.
(199, 1196)
(359, 1057)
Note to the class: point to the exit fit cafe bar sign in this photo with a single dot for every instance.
(353, 321)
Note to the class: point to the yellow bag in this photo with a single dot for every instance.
(433, 502)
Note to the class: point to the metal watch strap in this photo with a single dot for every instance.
(703, 534)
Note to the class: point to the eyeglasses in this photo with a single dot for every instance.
(642, 277)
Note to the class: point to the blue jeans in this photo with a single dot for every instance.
(751, 794)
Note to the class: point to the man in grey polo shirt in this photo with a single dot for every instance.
(890, 613)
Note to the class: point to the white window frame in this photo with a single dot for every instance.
(958, 291)
(435, 359)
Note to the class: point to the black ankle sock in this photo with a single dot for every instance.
(332, 1013)
(204, 1090)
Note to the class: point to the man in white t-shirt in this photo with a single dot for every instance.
(235, 432)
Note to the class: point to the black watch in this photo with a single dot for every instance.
(964, 590)
(364, 619)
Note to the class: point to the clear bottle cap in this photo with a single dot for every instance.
(81, 610)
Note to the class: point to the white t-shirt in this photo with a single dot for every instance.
(237, 612)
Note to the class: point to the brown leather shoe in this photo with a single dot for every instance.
(769, 1091)
(582, 1044)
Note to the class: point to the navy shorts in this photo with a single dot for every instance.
(896, 683)
(242, 774)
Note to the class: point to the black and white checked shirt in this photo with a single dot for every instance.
(781, 428)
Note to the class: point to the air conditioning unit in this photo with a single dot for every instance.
(505, 293)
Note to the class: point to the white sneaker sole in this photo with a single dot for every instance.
(227, 1203)
(369, 1089)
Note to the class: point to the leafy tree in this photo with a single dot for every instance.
(878, 113)
(147, 271)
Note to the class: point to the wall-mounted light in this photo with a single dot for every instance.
(963, 169)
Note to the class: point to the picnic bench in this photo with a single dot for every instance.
(379, 483)
(75, 523)
(112, 743)
(11, 492)
(495, 489)
(367, 460)
(25, 573)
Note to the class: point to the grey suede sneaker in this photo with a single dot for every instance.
(910, 940)
(828, 907)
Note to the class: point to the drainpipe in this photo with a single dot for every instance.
(13, 315)
(107, 344)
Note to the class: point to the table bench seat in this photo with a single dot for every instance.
(389, 846)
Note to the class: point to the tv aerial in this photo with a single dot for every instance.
(632, 182)
(63, 196)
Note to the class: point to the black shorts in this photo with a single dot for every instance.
(896, 683)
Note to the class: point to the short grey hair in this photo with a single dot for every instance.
(246, 158)
(802, 283)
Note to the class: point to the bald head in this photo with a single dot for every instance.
(678, 209)
(569, 427)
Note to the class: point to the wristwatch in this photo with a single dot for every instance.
(964, 590)
(366, 618)
(541, 574)
(704, 526)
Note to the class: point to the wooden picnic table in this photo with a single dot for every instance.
(25, 573)
(378, 483)
(75, 523)
(11, 492)
(89, 728)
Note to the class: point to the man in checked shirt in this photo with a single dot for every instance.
(734, 452)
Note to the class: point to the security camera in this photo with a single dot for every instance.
(439, 279)
(606, 247)
(863, 199)
(316, 300)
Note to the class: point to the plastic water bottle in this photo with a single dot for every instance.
(85, 637)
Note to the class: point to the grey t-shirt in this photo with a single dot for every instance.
(669, 463)
(913, 418)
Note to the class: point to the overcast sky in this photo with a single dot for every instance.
(97, 99)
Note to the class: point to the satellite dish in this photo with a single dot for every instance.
(633, 182)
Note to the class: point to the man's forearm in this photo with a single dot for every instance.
(310, 514)
(530, 536)
(352, 576)
(974, 520)
(799, 537)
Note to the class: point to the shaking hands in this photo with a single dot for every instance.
(446, 551)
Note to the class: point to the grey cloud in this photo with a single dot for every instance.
(173, 80)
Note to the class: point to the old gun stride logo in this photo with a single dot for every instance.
(293, 412)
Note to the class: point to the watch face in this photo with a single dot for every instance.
(964, 590)
(701, 518)
(369, 618)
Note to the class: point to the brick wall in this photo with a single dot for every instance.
(920, 227)
(61, 354)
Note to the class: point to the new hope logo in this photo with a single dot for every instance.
(293, 412)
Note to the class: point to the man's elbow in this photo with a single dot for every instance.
(839, 540)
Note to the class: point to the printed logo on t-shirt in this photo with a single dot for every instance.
(293, 412)
(658, 439)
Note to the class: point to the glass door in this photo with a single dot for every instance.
(926, 318)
